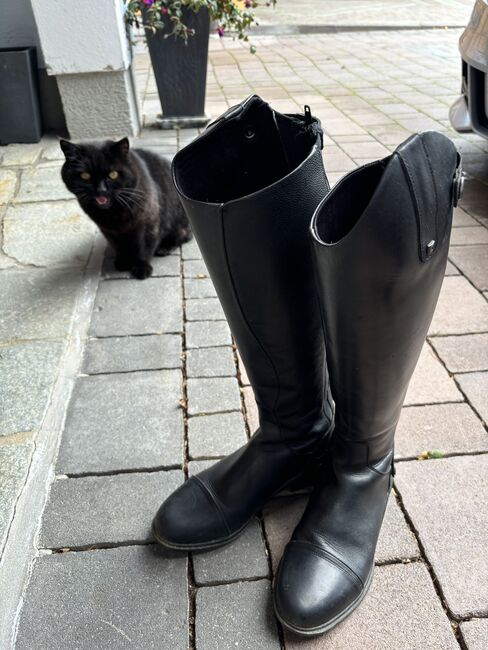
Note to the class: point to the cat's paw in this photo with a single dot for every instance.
(122, 264)
(184, 235)
(141, 270)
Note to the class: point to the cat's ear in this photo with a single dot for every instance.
(70, 149)
(121, 147)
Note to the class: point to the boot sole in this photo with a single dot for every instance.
(206, 546)
(321, 629)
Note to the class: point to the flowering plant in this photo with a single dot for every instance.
(230, 15)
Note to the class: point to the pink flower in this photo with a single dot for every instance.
(148, 3)
(248, 4)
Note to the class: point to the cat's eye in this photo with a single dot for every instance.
(85, 176)
(113, 175)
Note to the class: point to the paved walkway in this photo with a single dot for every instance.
(153, 392)
(364, 13)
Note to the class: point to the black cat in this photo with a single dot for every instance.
(130, 195)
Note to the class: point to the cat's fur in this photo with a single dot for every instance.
(138, 212)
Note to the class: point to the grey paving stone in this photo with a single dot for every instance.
(51, 150)
(104, 509)
(15, 457)
(37, 304)
(195, 269)
(162, 266)
(126, 353)
(199, 288)
(204, 309)
(210, 362)
(203, 334)
(462, 219)
(42, 184)
(20, 154)
(396, 540)
(463, 353)
(446, 500)
(213, 395)
(473, 262)
(48, 234)
(134, 307)
(431, 382)
(125, 421)
(448, 428)
(8, 182)
(475, 200)
(243, 558)
(365, 150)
(215, 435)
(197, 466)
(472, 235)
(281, 515)
(115, 599)
(460, 310)
(28, 371)
(451, 269)
(7, 262)
(475, 633)
(190, 250)
(400, 611)
(237, 615)
(475, 386)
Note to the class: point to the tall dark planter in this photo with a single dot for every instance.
(181, 71)
(20, 116)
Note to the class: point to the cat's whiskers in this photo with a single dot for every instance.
(130, 198)
(123, 202)
(134, 190)
(130, 203)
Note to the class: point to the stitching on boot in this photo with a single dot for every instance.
(336, 561)
(213, 500)
(236, 296)
(413, 196)
(436, 214)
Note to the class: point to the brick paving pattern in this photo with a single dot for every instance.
(158, 393)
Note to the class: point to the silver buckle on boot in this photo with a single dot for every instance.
(458, 185)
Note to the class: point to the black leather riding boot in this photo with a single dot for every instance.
(381, 238)
(250, 184)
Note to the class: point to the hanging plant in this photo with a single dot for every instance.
(233, 17)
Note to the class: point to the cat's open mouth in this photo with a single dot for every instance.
(102, 201)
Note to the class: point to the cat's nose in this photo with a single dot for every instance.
(102, 187)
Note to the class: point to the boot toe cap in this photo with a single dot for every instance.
(189, 518)
(313, 592)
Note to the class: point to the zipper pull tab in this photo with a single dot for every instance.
(308, 115)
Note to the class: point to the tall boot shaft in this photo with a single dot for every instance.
(381, 240)
(249, 185)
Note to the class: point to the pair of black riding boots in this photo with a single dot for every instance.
(300, 271)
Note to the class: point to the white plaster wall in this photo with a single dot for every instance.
(82, 35)
(99, 105)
